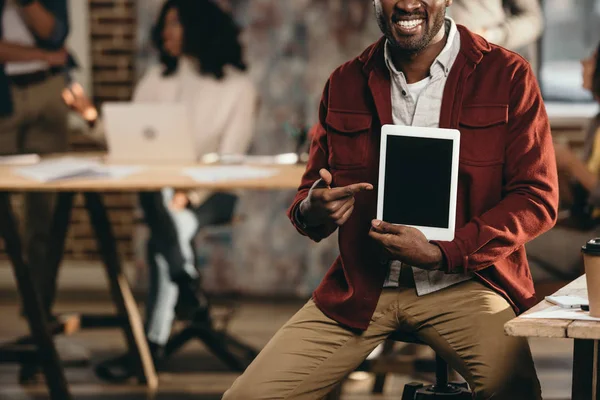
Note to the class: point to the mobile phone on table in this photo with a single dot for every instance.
(567, 301)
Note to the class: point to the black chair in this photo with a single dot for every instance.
(442, 389)
(231, 351)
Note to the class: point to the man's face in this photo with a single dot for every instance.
(410, 25)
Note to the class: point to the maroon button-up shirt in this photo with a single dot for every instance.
(507, 189)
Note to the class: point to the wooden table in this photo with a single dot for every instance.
(586, 335)
(150, 178)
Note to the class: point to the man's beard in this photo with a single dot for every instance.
(410, 45)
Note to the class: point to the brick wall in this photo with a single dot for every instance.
(112, 30)
(112, 40)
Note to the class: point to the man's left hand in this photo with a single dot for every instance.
(179, 201)
(407, 244)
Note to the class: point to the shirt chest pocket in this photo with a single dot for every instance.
(348, 135)
(483, 130)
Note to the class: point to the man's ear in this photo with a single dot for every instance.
(448, 3)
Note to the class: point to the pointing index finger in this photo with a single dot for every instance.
(349, 191)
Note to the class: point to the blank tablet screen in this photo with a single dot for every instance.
(417, 181)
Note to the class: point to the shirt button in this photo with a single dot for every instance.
(404, 93)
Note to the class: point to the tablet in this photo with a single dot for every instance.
(418, 179)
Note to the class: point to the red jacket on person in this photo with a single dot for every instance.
(507, 188)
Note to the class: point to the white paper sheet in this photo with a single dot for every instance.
(556, 312)
(72, 167)
(20, 159)
(119, 171)
(228, 173)
(230, 159)
(60, 168)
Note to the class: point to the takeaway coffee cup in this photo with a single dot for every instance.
(591, 259)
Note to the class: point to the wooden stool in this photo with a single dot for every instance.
(441, 389)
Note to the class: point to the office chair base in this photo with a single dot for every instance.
(235, 354)
(454, 391)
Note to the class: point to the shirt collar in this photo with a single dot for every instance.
(445, 59)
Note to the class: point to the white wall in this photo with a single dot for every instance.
(79, 42)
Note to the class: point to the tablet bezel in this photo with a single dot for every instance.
(431, 233)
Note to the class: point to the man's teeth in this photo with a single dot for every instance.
(409, 24)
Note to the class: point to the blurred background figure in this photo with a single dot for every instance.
(201, 65)
(557, 251)
(584, 173)
(33, 119)
(514, 24)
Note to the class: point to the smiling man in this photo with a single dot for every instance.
(456, 296)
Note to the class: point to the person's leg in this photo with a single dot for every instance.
(38, 215)
(465, 325)
(162, 297)
(45, 132)
(163, 228)
(311, 353)
(171, 232)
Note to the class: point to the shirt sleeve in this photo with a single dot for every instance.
(60, 32)
(239, 130)
(529, 206)
(318, 159)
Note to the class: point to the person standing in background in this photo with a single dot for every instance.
(33, 117)
(513, 24)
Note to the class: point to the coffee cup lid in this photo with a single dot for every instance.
(592, 247)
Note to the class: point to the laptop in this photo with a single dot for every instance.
(149, 133)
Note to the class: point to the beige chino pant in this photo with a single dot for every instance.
(311, 353)
(37, 125)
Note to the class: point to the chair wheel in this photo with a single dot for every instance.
(410, 390)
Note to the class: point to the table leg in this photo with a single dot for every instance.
(585, 370)
(60, 225)
(36, 317)
(121, 292)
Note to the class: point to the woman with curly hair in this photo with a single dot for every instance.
(201, 65)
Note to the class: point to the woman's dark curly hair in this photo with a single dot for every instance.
(210, 35)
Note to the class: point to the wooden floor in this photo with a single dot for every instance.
(195, 374)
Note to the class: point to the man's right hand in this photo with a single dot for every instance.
(325, 204)
(56, 58)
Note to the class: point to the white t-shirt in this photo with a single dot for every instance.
(16, 31)
(415, 89)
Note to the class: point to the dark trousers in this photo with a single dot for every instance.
(217, 209)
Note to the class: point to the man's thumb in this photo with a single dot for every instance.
(326, 176)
